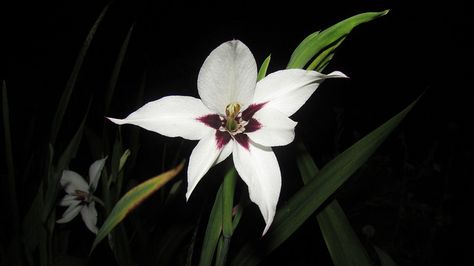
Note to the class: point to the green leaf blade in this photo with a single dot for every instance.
(132, 199)
(9, 158)
(342, 242)
(228, 201)
(262, 72)
(317, 42)
(310, 197)
(220, 221)
(71, 83)
(116, 70)
(213, 231)
(385, 259)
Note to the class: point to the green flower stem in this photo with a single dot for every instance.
(228, 191)
(227, 199)
(222, 248)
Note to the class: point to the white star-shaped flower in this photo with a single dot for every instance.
(79, 197)
(236, 115)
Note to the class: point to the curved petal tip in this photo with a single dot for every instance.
(337, 74)
(117, 121)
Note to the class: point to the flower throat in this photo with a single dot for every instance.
(231, 111)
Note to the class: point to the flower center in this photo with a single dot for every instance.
(232, 121)
(235, 121)
(232, 110)
(82, 195)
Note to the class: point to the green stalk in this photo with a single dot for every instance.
(222, 248)
(228, 200)
(227, 226)
(213, 231)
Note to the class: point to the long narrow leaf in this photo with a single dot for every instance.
(213, 231)
(385, 259)
(324, 57)
(228, 191)
(116, 70)
(303, 50)
(11, 190)
(170, 243)
(132, 199)
(262, 72)
(54, 174)
(318, 41)
(228, 201)
(342, 242)
(310, 197)
(15, 249)
(65, 97)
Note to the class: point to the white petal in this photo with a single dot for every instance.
(89, 216)
(71, 212)
(172, 116)
(228, 75)
(72, 181)
(276, 128)
(259, 169)
(69, 200)
(202, 158)
(95, 171)
(287, 90)
(226, 151)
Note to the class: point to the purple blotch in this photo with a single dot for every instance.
(211, 120)
(222, 138)
(251, 110)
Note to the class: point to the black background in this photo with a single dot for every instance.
(417, 47)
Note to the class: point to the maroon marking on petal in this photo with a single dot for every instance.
(243, 140)
(222, 138)
(253, 125)
(211, 120)
(251, 110)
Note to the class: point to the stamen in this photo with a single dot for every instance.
(232, 110)
(81, 195)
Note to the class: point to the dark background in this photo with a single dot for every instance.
(415, 192)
